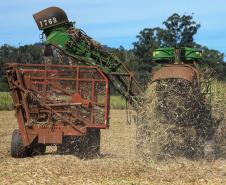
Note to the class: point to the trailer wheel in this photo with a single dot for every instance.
(89, 145)
(18, 150)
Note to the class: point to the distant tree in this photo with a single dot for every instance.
(149, 39)
(215, 60)
(106, 47)
(7, 54)
(39, 44)
(3, 84)
(24, 54)
(34, 54)
(120, 52)
(179, 31)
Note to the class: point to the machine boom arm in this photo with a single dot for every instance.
(75, 43)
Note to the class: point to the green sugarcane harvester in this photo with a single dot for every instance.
(61, 34)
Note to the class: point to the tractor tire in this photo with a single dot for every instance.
(18, 150)
(89, 145)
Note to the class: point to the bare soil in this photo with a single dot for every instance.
(117, 164)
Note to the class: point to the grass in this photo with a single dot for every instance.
(117, 102)
(6, 102)
(218, 110)
(219, 98)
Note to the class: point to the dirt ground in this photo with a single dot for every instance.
(117, 165)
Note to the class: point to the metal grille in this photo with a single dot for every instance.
(70, 95)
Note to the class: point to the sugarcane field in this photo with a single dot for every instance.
(117, 163)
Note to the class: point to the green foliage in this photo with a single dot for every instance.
(215, 60)
(219, 98)
(178, 32)
(117, 102)
(121, 53)
(6, 102)
(29, 54)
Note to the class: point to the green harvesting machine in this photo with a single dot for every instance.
(184, 55)
(177, 63)
(73, 42)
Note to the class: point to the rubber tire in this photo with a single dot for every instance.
(18, 150)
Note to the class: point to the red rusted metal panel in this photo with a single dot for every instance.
(50, 136)
(17, 106)
(177, 71)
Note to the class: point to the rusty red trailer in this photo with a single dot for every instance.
(53, 102)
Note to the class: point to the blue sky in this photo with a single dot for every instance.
(114, 22)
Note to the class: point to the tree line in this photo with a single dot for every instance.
(178, 32)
